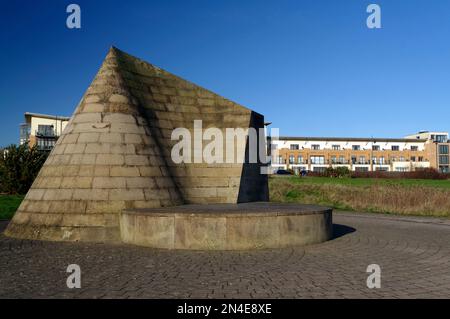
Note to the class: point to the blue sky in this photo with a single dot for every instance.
(311, 67)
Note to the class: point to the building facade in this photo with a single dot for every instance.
(418, 151)
(42, 130)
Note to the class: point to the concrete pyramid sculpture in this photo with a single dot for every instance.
(115, 154)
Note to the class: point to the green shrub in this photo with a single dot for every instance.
(425, 173)
(341, 171)
(19, 166)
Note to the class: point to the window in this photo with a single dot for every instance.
(443, 159)
(44, 144)
(333, 159)
(413, 158)
(300, 159)
(319, 169)
(375, 147)
(395, 147)
(420, 158)
(335, 147)
(361, 169)
(443, 149)
(374, 160)
(414, 148)
(401, 169)
(440, 138)
(341, 159)
(356, 147)
(381, 169)
(402, 158)
(280, 159)
(25, 131)
(362, 160)
(315, 147)
(291, 159)
(318, 160)
(294, 147)
(381, 160)
(353, 159)
(45, 130)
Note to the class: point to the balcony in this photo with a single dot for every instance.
(45, 148)
(381, 163)
(45, 133)
(46, 143)
(25, 131)
(340, 162)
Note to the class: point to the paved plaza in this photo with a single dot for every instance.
(413, 253)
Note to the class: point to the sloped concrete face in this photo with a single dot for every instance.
(115, 154)
(168, 102)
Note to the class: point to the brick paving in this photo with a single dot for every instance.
(414, 255)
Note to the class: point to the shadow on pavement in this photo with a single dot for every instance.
(341, 230)
(3, 224)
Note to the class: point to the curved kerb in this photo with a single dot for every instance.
(227, 226)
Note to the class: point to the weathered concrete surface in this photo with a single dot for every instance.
(413, 253)
(259, 225)
(115, 154)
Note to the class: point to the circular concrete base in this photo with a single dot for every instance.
(227, 226)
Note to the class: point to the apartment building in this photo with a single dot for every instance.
(42, 130)
(417, 151)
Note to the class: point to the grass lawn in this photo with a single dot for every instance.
(9, 205)
(371, 181)
(418, 197)
(414, 197)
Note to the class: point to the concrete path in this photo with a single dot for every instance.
(413, 253)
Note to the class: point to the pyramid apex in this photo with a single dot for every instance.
(113, 51)
(113, 48)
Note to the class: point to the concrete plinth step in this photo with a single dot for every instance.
(256, 225)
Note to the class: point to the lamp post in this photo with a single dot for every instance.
(269, 142)
(371, 155)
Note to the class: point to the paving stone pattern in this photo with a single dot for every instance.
(413, 253)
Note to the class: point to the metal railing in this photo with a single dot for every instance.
(46, 133)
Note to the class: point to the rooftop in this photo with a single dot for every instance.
(351, 139)
(46, 116)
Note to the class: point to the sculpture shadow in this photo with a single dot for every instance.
(253, 186)
(341, 230)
